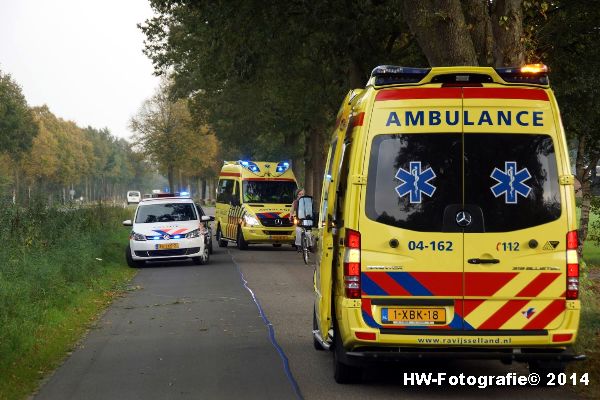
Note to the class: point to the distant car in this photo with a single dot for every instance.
(168, 228)
(133, 196)
(147, 196)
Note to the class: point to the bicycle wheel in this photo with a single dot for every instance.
(305, 247)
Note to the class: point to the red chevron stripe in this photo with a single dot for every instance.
(547, 315)
(441, 283)
(541, 282)
(388, 284)
(469, 306)
(485, 284)
(505, 312)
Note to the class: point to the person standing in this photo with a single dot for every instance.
(293, 215)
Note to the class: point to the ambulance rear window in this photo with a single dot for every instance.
(420, 182)
(513, 178)
(413, 178)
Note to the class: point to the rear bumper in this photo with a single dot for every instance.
(365, 357)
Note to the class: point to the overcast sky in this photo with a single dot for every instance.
(83, 58)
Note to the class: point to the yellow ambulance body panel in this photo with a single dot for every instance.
(253, 203)
(447, 221)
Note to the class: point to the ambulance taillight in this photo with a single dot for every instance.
(352, 264)
(572, 266)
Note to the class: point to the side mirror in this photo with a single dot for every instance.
(127, 223)
(305, 208)
(235, 202)
(206, 218)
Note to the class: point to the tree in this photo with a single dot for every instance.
(269, 82)
(468, 32)
(166, 133)
(17, 128)
(569, 39)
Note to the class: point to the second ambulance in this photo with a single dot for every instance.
(254, 199)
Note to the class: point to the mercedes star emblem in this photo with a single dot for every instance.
(166, 237)
(463, 218)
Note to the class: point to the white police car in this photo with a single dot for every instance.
(168, 228)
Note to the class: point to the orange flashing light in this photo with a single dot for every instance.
(534, 69)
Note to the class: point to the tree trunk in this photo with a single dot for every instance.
(441, 32)
(171, 178)
(583, 176)
(508, 33)
(477, 18)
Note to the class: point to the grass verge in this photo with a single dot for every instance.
(59, 269)
(588, 338)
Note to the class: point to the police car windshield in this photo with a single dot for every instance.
(269, 192)
(166, 212)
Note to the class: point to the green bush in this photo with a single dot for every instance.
(48, 256)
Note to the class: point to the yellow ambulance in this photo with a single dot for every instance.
(253, 203)
(447, 222)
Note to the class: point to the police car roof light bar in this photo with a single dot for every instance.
(390, 74)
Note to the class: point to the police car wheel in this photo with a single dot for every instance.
(203, 259)
(220, 240)
(343, 373)
(130, 261)
(241, 242)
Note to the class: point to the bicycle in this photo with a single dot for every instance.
(306, 243)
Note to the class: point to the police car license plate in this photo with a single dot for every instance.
(167, 246)
(413, 315)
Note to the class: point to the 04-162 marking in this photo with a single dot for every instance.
(442, 245)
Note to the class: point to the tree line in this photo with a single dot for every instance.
(42, 155)
(268, 76)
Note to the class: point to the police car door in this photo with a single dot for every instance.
(514, 219)
(411, 247)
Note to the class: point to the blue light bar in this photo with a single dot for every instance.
(282, 167)
(390, 75)
(250, 166)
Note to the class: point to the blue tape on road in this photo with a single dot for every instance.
(284, 359)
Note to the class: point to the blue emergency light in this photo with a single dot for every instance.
(282, 167)
(390, 74)
(250, 166)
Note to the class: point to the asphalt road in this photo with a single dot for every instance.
(200, 332)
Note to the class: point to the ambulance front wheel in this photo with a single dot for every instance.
(220, 240)
(241, 242)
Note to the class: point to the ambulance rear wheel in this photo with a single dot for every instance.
(220, 240)
(241, 242)
(546, 368)
(343, 373)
